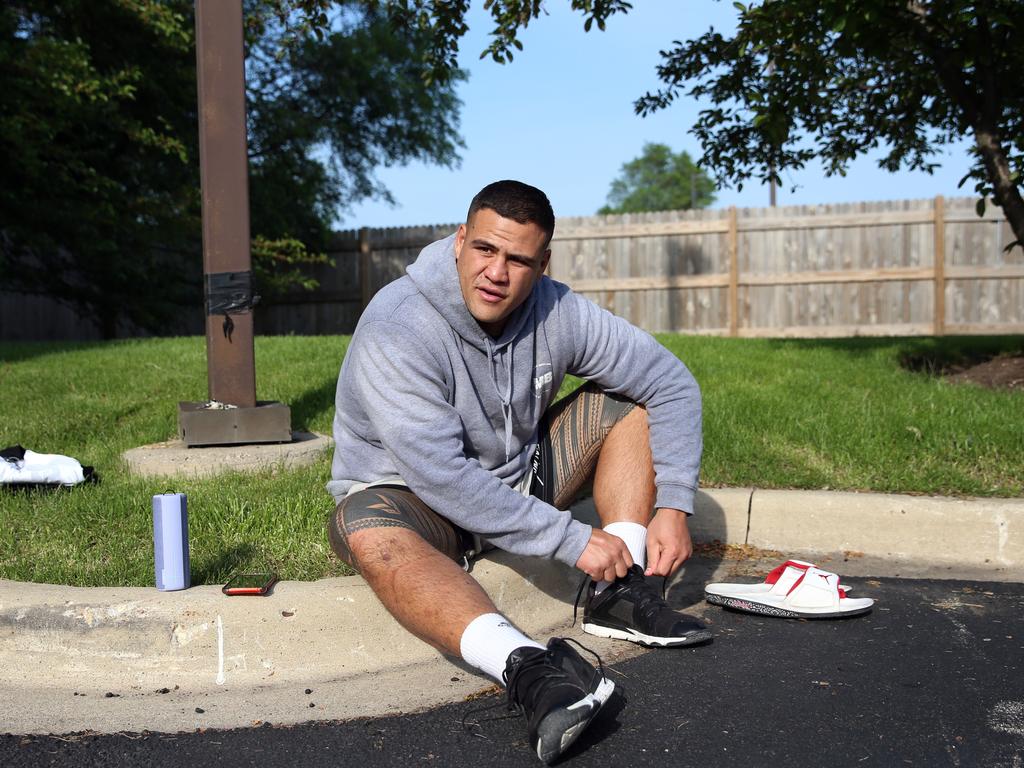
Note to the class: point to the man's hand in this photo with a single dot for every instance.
(606, 557)
(668, 542)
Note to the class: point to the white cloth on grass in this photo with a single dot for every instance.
(50, 468)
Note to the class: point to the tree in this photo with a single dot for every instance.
(828, 79)
(912, 76)
(98, 146)
(659, 180)
(354, 93)
(99, 201)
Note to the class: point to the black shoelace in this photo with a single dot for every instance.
(650, 601)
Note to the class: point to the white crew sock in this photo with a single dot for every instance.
(635, 536)
(487, 642)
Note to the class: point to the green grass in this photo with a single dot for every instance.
(844, 414)
(838, 414)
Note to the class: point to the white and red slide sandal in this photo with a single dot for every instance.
(777, 582)
(794, 590)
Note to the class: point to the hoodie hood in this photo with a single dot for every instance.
(437, 277)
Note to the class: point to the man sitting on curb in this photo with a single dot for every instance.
(445, 442)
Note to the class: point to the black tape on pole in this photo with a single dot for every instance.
(229, 293)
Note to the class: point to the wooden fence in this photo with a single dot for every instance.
(912, 267)
(40, 318)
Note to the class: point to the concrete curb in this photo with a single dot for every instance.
(181, 660)
(974, 533)
(247, 658)
(942, 531)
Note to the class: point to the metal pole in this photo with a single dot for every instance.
(224, 171)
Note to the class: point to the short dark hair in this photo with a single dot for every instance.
(517, 201)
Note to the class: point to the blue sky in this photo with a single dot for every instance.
(561, 117)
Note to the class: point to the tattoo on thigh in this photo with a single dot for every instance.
(390, 508)
(577, 430)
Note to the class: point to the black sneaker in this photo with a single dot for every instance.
(632, 608)
(558, 692)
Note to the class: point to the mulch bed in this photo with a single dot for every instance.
(1004, 372)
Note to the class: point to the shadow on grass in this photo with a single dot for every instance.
(861, 345)
(312, 403)
(19, 351)
(92, 477)
(936, 357)
(925, 354)
(223, 565)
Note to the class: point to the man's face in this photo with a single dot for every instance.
(498, 260)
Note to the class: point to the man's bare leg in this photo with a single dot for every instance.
(624, 478)
(411, 557)
(625, 494)
(433, 598)
(427, 592)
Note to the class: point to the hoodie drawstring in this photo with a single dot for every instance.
(506, 398)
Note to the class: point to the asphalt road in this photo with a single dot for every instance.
(932, 677)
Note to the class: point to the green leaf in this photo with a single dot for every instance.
(980, 206)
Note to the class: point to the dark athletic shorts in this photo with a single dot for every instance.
(571, 434)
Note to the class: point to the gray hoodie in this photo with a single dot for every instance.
(428, 396)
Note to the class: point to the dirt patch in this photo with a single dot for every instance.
(1004, 372)
(718, 550)
(994, 371)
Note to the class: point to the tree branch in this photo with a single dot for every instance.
(981, 108)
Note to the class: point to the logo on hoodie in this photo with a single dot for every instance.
(542, 378)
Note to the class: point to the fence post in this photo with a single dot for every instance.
(365, 289)
(734, 274)
(940, 266)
